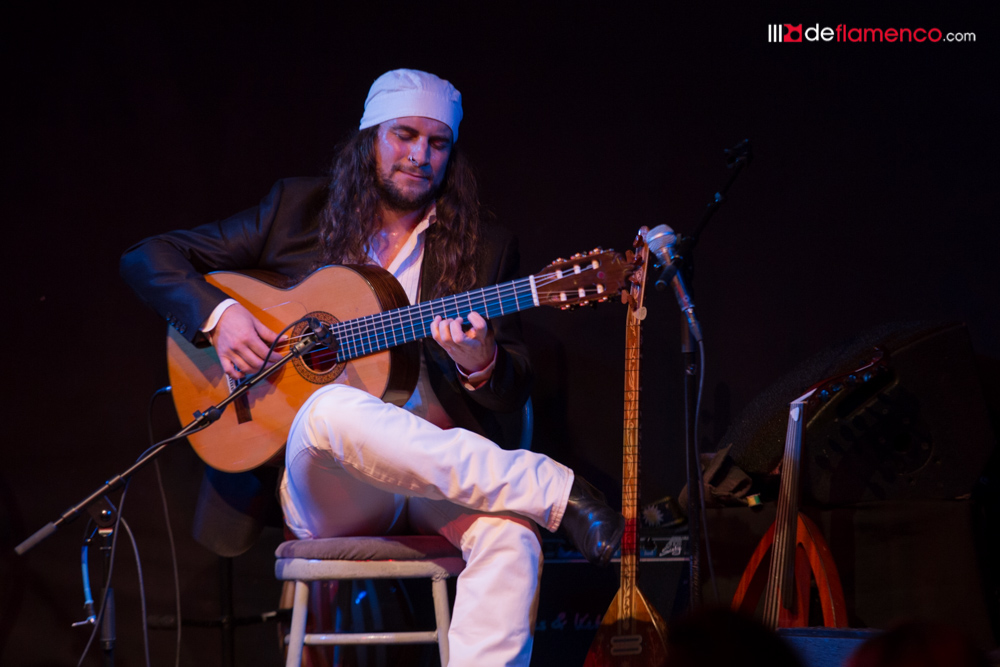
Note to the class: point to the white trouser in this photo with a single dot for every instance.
(358, 466)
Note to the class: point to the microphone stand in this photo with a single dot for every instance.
(736, 159)
(202, 420)
(105, 516)
(104, 513)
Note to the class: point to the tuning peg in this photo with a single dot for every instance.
(597, 251)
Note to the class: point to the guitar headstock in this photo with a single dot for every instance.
(584, 278)
(639, 258)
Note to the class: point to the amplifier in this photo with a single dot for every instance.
(575, 594)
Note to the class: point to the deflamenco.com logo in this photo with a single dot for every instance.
(788, 33)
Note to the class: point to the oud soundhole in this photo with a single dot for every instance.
(319, 365)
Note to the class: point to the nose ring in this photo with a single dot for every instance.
(412, 160)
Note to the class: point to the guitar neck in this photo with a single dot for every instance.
(630, 458)
(632, 633)
(381, 331)
(630, 440)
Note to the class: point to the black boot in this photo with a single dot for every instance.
(591, 525)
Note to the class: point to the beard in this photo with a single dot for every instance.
(396, 199)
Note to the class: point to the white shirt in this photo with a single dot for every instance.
(405, 267)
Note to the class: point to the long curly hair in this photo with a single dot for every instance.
(350, 218)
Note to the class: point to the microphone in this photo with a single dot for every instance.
(321, 332)
(661, 240)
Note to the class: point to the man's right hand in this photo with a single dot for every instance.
(242, 342)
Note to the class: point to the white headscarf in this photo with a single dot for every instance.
(410, 92)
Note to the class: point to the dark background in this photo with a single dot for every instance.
(871, 199)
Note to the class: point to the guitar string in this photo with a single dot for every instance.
(541, 280)
(373, 332)
(777, 569)
(366, 334)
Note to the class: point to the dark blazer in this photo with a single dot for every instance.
(281, 235)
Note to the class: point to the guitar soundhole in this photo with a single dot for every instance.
(319, 365)
(320, 359)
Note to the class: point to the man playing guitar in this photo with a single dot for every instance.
(400, 196)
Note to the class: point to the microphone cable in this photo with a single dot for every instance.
(696, 449)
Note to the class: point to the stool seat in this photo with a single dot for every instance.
(345, 558)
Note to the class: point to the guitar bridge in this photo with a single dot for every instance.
(241, 404)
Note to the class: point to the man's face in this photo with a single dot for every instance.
(411, 155)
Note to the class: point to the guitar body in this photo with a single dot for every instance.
(631, 634)
(253, 434)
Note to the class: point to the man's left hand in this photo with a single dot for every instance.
(472, 350)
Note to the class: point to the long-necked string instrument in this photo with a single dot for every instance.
(632, 633)
(799, 554)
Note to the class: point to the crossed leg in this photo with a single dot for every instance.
(357, 466)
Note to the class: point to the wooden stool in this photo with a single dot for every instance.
(347, 558)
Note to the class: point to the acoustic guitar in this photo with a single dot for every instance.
(375, 330)
(632, 633)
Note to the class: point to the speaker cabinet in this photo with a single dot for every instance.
(921, 431)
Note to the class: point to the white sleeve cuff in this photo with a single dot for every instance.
(473, 381)
(213, 319)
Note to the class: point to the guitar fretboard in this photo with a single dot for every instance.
(630, 472)
(630, 452)
(381, 331)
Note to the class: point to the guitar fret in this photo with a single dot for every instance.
(344, 340)
(373, 338)
(359, 333)
(392, 327)
(500, 300)
(371, 334)
(352, 330)
(383, 332)
(358, 342)
(377, 340)
(365, 329)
